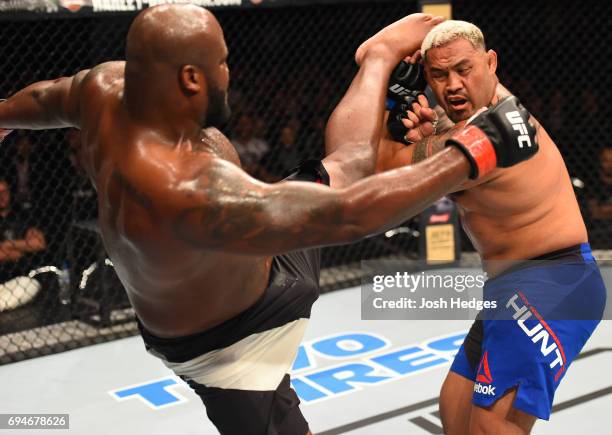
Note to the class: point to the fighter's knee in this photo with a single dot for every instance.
(478, 426)
(453, 419)
(482, 424)
(444, 404)
(490, 423)
(445, 417)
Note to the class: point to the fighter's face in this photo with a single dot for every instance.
(462, 77)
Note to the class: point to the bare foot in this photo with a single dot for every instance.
(402, 38)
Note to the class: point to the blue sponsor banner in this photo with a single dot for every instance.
(360, 360)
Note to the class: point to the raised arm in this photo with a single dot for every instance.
(226, 210)
(393, 154)
(353, 130)
(44, 105)
(221, 208)
(426, 128)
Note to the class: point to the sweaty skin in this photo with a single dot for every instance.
(191, 235)
(513, 214)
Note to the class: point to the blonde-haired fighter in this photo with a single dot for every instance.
(507, 371)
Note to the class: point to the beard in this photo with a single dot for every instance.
(219, 110)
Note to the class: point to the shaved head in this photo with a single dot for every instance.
(181, 45)
(178, 34)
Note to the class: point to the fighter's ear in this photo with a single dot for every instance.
(191, 79)
(492, 61)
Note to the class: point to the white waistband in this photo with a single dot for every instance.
(257, 362)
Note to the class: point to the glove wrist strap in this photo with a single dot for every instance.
(478, 149)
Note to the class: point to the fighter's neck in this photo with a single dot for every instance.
(170, 127)
(500, 92)
(161, 113)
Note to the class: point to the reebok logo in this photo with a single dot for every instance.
(487, 390)
(484, 376)
(519, 125)
(484, 373)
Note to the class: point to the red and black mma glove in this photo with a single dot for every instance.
(499, 137)
(407, 82)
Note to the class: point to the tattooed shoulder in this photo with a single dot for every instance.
(502, 92)
(432, 144)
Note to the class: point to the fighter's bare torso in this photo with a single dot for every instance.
(516, 213)
(190, 233)
(176, 288)
(525, 211)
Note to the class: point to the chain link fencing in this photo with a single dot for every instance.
(289, 68)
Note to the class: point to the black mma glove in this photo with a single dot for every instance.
(396, 127)
(309, 170)
(407, 82)
(501, 136)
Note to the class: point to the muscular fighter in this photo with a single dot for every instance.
(505, 376)
(208, 255)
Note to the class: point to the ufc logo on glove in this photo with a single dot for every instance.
(519, 125)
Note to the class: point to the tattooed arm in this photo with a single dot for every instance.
(421, 151)
(222, 208)
(46, 104)
(422, 122)
(446, 128)
(433, 144)
(393, 154)
(396, 155)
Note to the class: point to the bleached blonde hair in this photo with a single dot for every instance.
(450, 30)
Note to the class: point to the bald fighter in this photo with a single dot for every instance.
(507, 371)
(208, 255)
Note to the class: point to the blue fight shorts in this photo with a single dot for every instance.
(547, 308)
